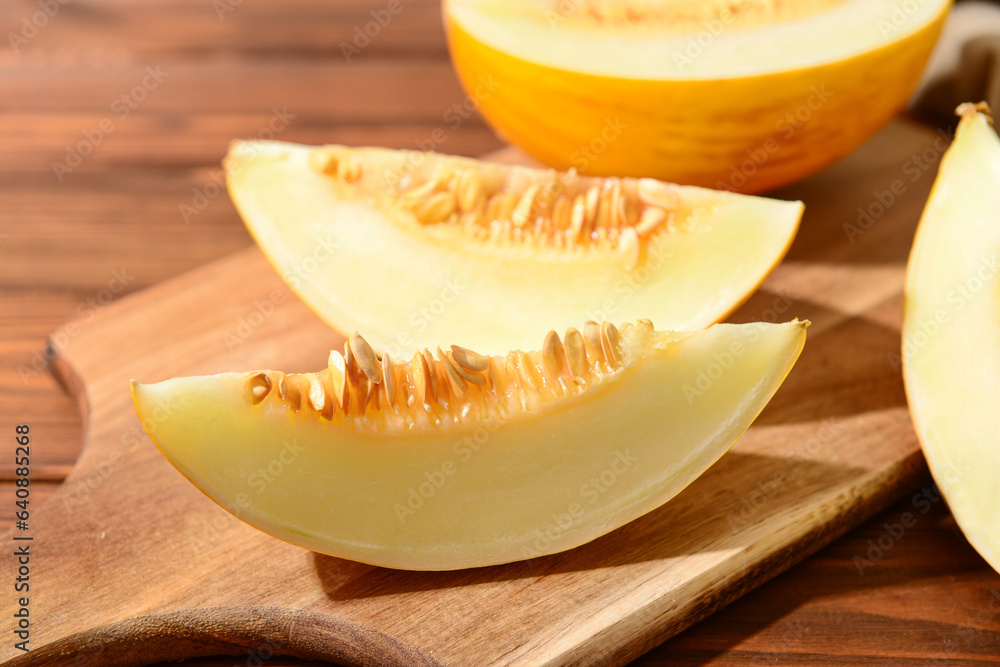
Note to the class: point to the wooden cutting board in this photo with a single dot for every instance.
(131, 564)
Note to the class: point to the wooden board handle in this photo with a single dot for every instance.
(260, 632)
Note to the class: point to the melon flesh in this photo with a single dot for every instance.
(553, 450)
(951, 331)
(391, 243)
(652, 39)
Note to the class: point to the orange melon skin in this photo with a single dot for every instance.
(746, 134)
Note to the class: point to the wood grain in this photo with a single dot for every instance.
(255, 631)
(834, 446)
(59, 242)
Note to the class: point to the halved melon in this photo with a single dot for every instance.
(456, 459)
(414, 248)
(951, 331)
(744, 95)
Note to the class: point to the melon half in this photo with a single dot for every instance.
(743, 95)
(416, 248)
(454, 459)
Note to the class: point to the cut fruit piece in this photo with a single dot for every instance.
(456, 459)
(951, 331)
(739, 95)
(414, 248)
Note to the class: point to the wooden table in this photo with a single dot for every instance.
(113, 118)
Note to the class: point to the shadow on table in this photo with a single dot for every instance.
(736, 494)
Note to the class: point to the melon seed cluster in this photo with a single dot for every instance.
(553, 209)
(445, 386)
(695, 15)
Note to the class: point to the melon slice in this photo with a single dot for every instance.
(415, 248)
(951, 331)
(455, 459)
(744, 95)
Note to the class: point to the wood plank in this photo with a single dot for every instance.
(111, 33)
(85, 226)
(412, 90)
(923, 597)
(35, 142)
(29, 392)
(892, 610)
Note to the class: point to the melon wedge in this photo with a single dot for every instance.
(456, 459)
(415, 248)
(740, 95)
(951, 331)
